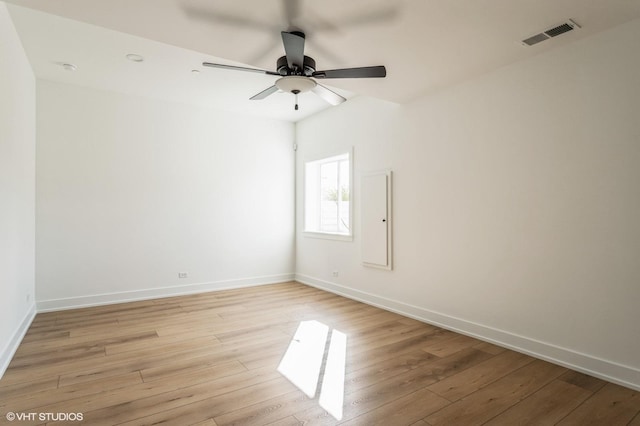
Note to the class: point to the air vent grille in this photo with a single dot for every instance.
(551, 32)
(560, 29)
(535, 39)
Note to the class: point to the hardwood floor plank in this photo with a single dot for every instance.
(387, 368)
(126, 362)
(211, 359)
(45, 336)
(466, 382)
(26, 403)
(106, 407)
(261, 358)
(182, 415)
(635, 421)
(69, 344)
(403, 411)
(208, 422)
(488, 347)
(269, 411)
(61, 356)
(78, 370)
(204, 402)
(277, 344)
(223, 362)
(388, 346)
(364, 334)
(584, 381)
(160, 343)
(250, 335)
(545, 407)
(287, 421)
(360, 400)
(612, 405)
(447, 343)
(495, 398)
(9, 392)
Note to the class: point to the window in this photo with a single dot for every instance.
(327, 207)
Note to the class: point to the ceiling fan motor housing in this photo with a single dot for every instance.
(309, 67)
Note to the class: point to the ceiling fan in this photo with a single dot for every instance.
(297, 72)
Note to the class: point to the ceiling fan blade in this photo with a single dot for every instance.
(264, 93)
(294, 48)
(212, 16)
(328, 95)
(362, 72)
(235, 68)
(382, 14)
(291, 11)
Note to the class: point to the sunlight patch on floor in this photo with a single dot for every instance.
(304, 363)
(332, 393)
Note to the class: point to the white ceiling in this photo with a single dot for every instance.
(425, 44)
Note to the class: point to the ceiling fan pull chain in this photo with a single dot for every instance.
(295, 93)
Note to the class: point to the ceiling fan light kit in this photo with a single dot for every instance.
(296, 71)
(295, 84)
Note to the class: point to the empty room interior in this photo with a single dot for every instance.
(288, 212)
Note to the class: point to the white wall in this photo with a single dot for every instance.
(17, 190)
(132, 191)
(516, 205)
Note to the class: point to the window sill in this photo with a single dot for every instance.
(328, 236)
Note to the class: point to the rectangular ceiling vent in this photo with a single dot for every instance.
(551, 32)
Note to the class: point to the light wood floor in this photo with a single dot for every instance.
(212, 359)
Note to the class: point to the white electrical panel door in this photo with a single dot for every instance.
(375, 207)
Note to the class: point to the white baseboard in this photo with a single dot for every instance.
(12, 345)
(607, 370)
(156, 293)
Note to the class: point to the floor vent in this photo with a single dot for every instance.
(551, 32)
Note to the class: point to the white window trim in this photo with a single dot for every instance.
(329, 235)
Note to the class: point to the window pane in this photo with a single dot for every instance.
(328, 195)
(344, 195)
(329, 202)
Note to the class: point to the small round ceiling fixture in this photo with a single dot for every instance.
(295, 84)
(195, 71)
(134, 57)
(69, 67)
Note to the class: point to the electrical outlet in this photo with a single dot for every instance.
(335, 273)
(28, 297)
(183, 275)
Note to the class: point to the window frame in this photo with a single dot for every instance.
(320, 159)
